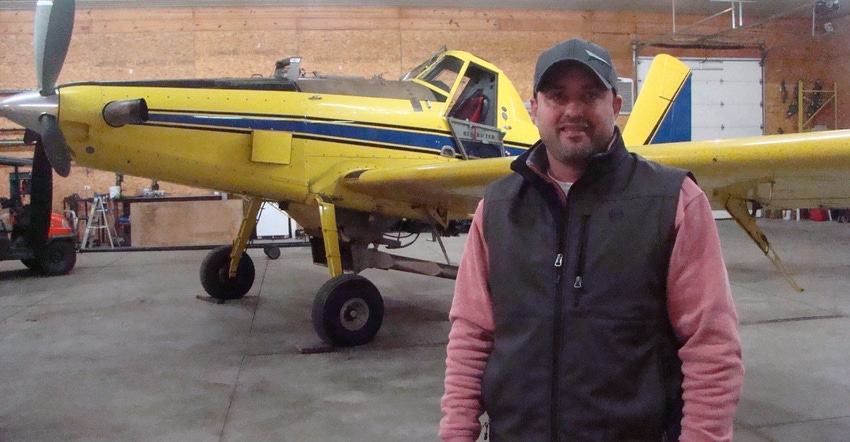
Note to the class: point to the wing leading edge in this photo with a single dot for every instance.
(456, 186)
(778, 171)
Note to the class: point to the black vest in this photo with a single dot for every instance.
(584, 349)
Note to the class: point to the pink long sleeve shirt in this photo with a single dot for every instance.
(701, 311)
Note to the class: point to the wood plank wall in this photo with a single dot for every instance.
(118, 44)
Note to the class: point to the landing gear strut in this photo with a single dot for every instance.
(348, 310)
(228, 272)
(737, 207)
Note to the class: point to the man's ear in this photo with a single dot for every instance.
(534, 109)
(618, 103)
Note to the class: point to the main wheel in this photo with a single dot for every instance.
(58, 258)
(32, 263)
(215, 274)
(348, 311)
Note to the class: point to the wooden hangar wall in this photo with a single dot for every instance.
(124, 44)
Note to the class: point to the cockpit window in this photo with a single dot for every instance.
(443, 74)
(413, 73)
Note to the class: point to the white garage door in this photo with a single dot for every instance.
(726, 96)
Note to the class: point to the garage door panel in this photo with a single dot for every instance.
(743, 93)
(713, 133)
(752, 115)
(726, 97)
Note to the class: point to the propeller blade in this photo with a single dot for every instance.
(54, 22)
(41, 199)
(55, 146)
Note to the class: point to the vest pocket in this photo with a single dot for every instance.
(613, 376)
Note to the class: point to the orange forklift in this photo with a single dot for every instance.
(43, 240)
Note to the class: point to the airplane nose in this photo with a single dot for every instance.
(27, 108)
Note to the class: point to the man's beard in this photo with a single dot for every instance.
(580, 154)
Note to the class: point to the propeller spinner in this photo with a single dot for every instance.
(39, 110)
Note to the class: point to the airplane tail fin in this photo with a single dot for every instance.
(663, 99)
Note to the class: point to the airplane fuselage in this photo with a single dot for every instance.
(275, 138)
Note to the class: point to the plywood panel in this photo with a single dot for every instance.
(16, 22)
(350, 52)
(130, 56)
(242, 19)
(242, 54)
(161, 224)
(17, 70)
(143, 21)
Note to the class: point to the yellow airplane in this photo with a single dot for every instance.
(353, 159)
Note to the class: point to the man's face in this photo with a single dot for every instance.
(575, 114)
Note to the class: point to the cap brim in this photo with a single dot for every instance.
(560, 64)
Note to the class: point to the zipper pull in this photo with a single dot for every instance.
(486, 430)
(559, 262)
(577, 286)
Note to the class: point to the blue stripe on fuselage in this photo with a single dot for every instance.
(514, 151)
(311, 128)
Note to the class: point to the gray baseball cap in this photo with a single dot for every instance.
(576, 50)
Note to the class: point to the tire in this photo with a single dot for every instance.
(348, 311)
(273, 252)
(32, 263)
(58, 258)
(216, 279)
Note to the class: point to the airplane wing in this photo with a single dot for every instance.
(778, 171)
(457, 186)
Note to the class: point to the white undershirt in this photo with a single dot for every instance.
(565, 186)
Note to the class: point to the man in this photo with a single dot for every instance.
(592, 302)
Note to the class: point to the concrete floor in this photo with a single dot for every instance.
(121, 349)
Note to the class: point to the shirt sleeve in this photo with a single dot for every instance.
(470, 340)
(705, 321)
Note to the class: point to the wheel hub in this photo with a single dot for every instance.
(354, 314)
(224, 275)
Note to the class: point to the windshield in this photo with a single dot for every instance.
(421, 67)
(443, 74)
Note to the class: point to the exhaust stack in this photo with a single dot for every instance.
(119, 113)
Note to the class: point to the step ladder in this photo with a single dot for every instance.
(98, 223)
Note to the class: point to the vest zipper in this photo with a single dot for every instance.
(578, 284)
(556, 340)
